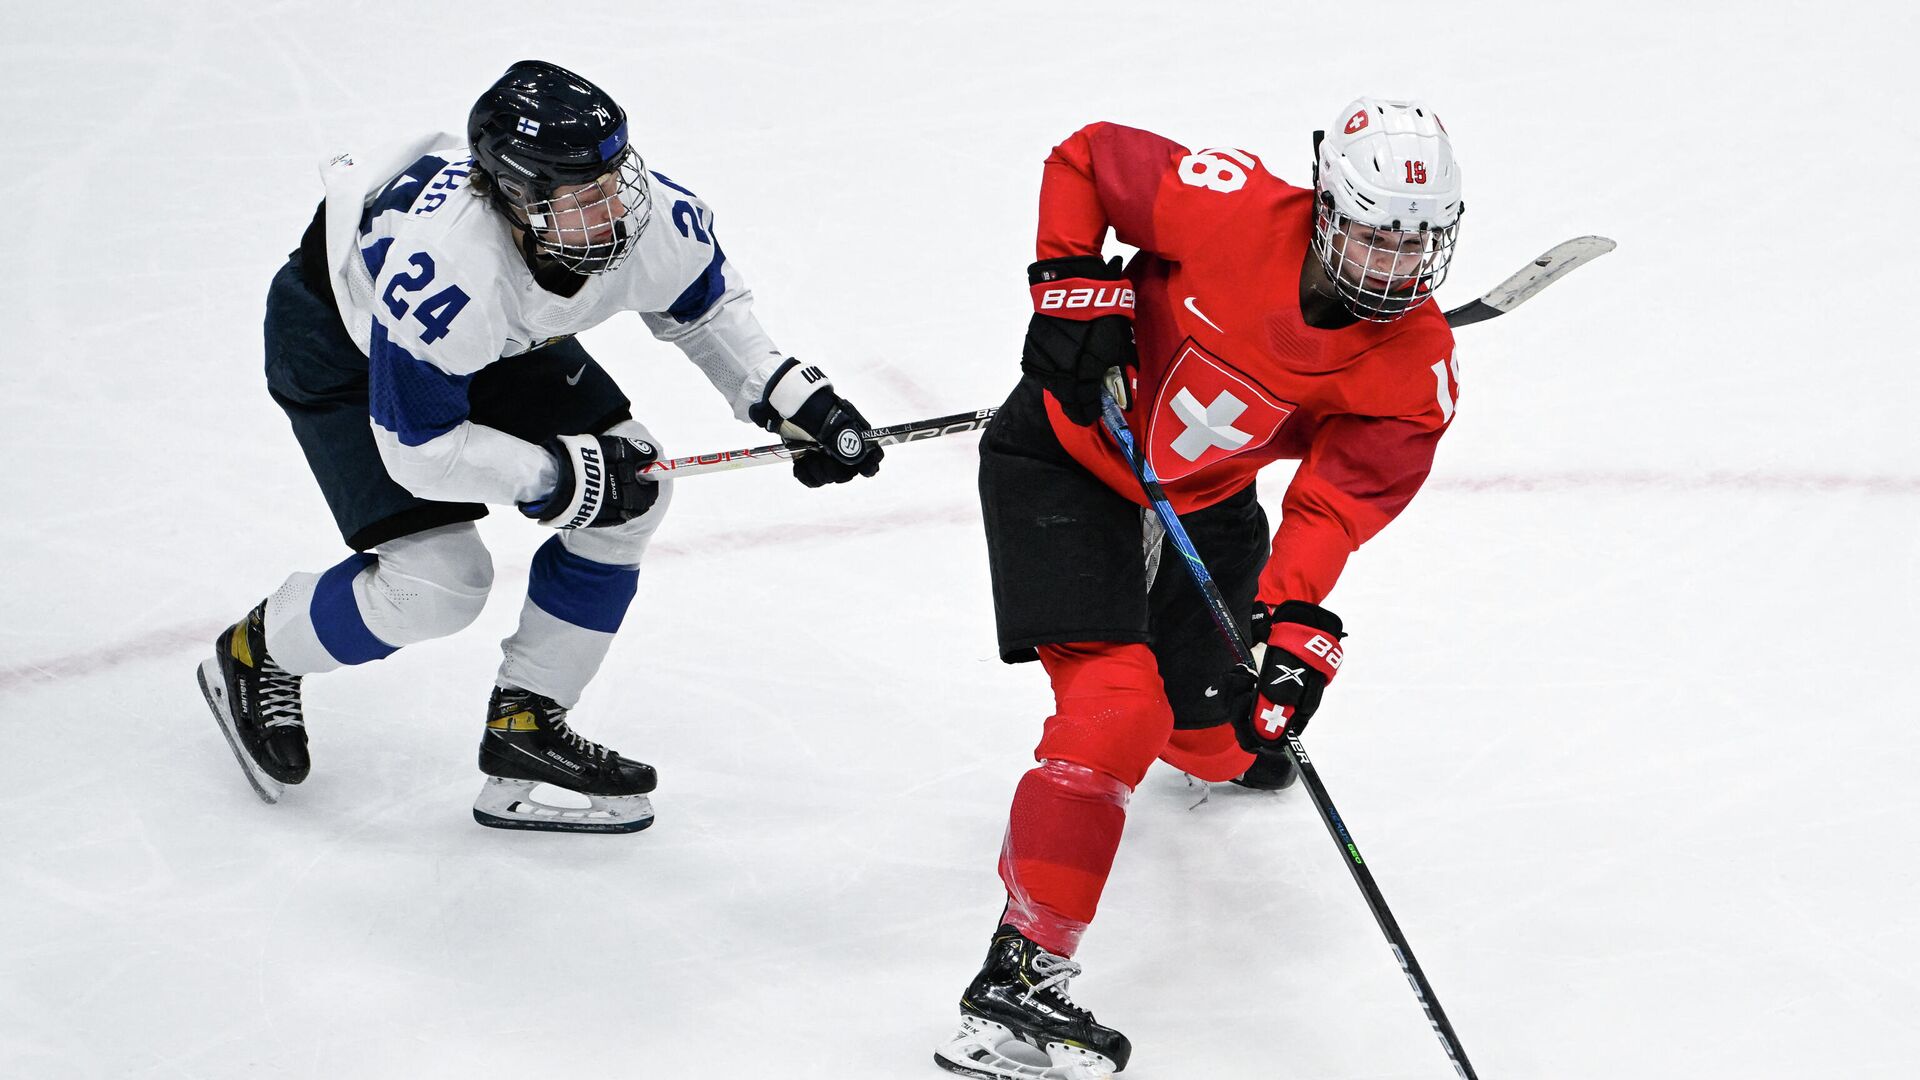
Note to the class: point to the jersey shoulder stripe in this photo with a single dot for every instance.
(662, 177)
(705, 290)
(401, 192)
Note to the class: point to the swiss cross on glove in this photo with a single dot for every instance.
(1301, 642)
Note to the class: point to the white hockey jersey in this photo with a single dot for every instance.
(432, 287)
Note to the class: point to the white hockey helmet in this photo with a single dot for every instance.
(1386, 206)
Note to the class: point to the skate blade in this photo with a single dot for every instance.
(977, 1051)
(214, 688)
(509, 804)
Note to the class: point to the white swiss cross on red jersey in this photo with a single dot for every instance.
(1207, 412)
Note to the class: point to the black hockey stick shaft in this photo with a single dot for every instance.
(1116, 425)
(1509, 294)
(765, 455)
(1376, 903)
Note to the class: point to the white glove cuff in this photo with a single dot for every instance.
(583, 480)
(793, 384)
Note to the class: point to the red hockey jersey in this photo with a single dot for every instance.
(1231, 376)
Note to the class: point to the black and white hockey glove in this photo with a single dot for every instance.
(1082, 328)
(600, 482)
(799, 405)
(1302, 654)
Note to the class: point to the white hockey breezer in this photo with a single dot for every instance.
(990, 1050)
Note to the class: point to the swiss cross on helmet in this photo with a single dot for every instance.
(553, 148)
(1386, 206)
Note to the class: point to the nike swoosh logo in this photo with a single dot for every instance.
(1197, 312)
(574, 379)
(1211, 692)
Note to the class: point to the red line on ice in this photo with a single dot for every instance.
(175, 640)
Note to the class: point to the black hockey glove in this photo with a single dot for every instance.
(1082, 328)
(799, 405)
(600, 482)
(1302, 654)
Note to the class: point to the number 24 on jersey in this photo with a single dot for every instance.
(436, 312)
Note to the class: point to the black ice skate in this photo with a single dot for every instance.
(1269, 772)
(528, 743)
(1019, 1002)
(257, 705)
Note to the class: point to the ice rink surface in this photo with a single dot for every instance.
(1626, 735)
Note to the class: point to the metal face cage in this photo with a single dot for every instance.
(1381, 273)
(592, 227)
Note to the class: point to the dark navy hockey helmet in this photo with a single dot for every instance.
(555, 152)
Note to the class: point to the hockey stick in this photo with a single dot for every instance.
(1530, 279)
(1116, 425)
(1509, 294)
(765, 455)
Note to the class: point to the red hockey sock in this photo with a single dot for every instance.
(1061, 836)
(1209, 754)
(1111, 717)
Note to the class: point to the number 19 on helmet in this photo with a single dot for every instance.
(1386, 206)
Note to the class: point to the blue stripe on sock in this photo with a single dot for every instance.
(336, 618)
(580, 591)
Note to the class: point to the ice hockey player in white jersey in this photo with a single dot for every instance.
(421, 344)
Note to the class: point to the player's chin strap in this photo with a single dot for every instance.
(1509, 294)
(1116, 424)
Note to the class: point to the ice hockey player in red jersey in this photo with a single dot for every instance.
(1259, 321)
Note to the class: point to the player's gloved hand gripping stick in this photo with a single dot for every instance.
(800, 404)
(600, 482)
(1082, 328)
(1296, 651)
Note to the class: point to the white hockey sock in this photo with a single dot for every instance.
(578, 589)
(290, 635)
(573, 607)
(414, 589)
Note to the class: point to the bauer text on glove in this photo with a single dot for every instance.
(1082, 328)
(1298, 649)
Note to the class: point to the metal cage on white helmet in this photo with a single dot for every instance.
(1386, 206)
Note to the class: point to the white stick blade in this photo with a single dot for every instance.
(1542, 271)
